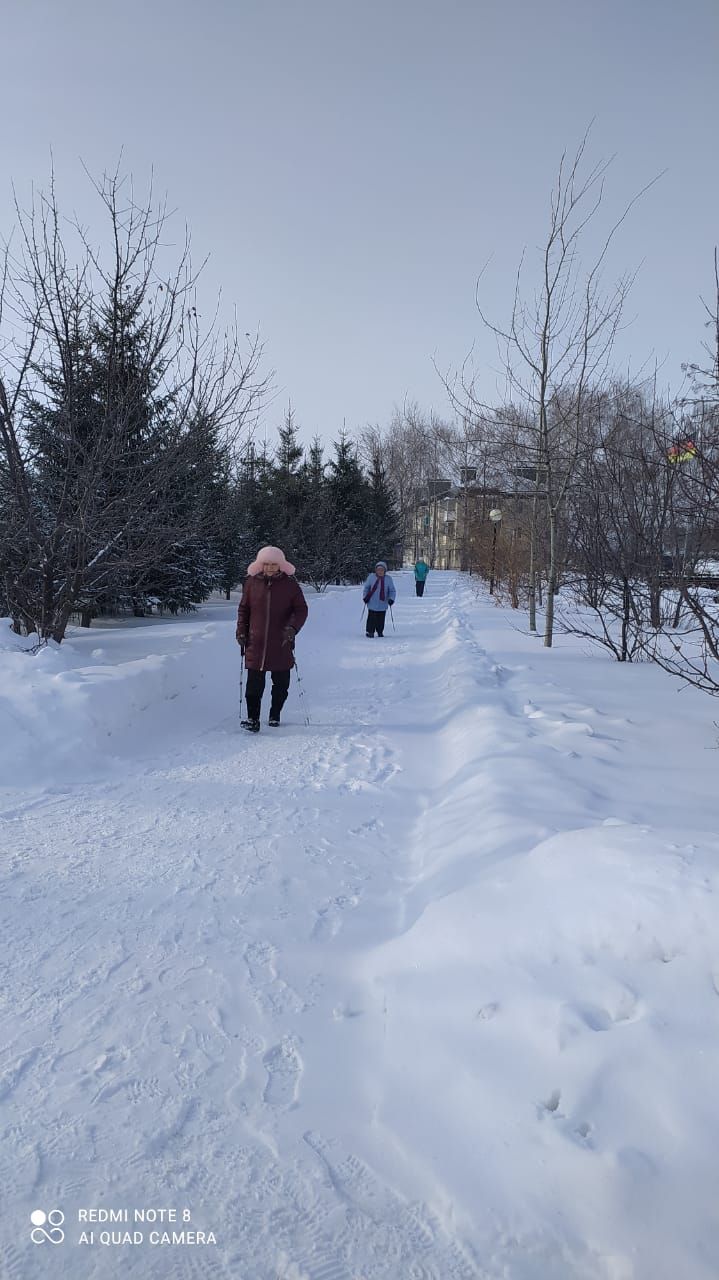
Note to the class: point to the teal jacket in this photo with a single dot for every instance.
(421, 569)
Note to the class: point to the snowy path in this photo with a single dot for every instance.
(424, 991)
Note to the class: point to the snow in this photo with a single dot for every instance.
(427, 989)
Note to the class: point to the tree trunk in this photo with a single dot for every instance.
(655, 605)
(551, 580)
(513, 574)
(60, 622)
(533, 566)
(626, 611)
(46, 627)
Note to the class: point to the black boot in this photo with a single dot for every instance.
(252, 726)
(274, 719)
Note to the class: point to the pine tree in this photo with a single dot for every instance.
(190, 566)
(314, 547)
(229, 539)
(111, 419)
(383, 517)
(262, 512)
(98, 427)
(349, 504)
(288, 488)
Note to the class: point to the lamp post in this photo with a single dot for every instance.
(495, 516)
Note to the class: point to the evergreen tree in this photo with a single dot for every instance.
(316, 563)
(288, 487)
(121, 486)
(349, 503)
(256, 504)
(265, 508)
(383, 523)
(98, 427)
(111, 421)
(229, 539)
(190, 567)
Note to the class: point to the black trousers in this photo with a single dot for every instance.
(375, 621)
(255, 688)
(419, 587)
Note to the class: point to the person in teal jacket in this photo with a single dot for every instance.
(421, 569)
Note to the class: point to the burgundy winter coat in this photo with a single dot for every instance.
(268, 606)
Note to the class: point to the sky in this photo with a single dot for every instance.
(352, 168)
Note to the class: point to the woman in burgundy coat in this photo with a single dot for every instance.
(272, 610)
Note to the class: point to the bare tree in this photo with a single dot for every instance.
(110, 393)
(556, 351)
(415, 451)
(691, 650)
(619, 510)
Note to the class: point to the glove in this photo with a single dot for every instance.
(241, 640)
(288, 635)
(366, 599)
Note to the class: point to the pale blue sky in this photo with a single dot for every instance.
(350, 167)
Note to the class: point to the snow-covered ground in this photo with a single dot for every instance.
(428, 990)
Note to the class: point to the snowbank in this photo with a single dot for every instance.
(428, 988)
(77, 710)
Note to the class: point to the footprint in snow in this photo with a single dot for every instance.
(284, 1066)
(637, 1163)
(552, 1102)
(368, 828)
(342, 1011)
(628, 1007)
(329, 917)
(593, 1016)
(260, 960)
(488, 1011)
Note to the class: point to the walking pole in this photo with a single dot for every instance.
(242, 675)
(301, 692)
(391, 614)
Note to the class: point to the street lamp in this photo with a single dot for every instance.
(495, 516)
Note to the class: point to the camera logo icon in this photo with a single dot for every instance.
(53, 1233)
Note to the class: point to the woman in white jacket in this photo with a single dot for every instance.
(378, 592)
